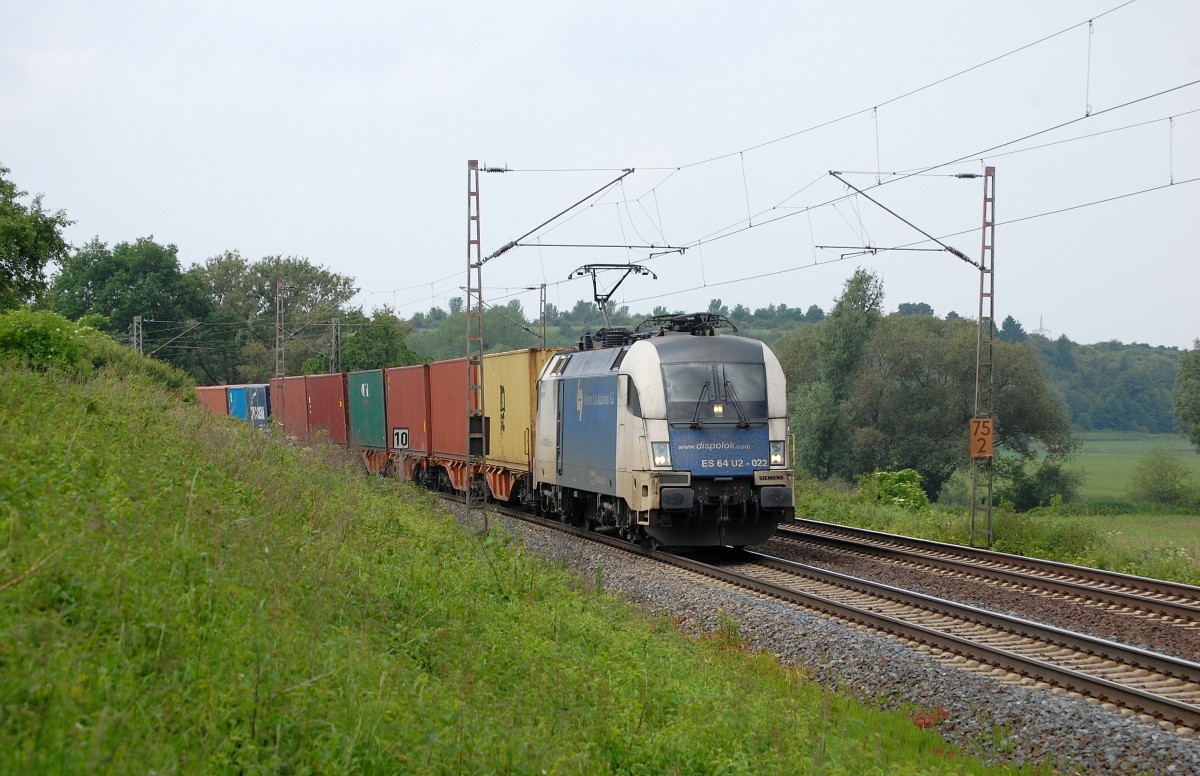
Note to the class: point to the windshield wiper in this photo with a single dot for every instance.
(696, 422)
(743, 421)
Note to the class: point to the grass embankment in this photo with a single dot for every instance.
(181, 594)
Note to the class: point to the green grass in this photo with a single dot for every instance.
(1108, 460)
(181, 594)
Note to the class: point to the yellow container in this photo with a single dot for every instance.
(510, 404)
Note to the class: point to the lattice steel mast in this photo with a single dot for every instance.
(476, 439)
(983, 423)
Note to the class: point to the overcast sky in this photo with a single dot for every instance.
(340, 132)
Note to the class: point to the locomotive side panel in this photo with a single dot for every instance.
(586, 410)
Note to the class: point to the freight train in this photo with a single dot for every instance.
(668, 434)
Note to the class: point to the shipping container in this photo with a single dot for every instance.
(327, 407)
(250, 403)
(510, 399)
(213, 398)
(448, 408)
(277, 409)
(366, 407)
(407, 389)
(294, 409)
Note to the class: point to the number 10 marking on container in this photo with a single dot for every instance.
(400, 438)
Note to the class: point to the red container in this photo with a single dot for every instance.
(327, 407)
(275, 385)
(293, 405)
(213, 399)
(448, 408)
(407, 392)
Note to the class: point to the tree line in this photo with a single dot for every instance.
(869, 391)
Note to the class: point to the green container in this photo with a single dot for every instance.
(368, 419)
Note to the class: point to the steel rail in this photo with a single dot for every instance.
(1175, 609)
(1180, 600)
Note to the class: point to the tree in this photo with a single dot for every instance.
(1161, 478)
(1011, 330)
(875, 393)
(821, 430)
(240, 344)
(845, 332)
(30, 238)
(1187, 394)
(914, 308)
(139, 278)
(376, 342)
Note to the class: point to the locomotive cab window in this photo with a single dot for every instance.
(560, 363)
(632, 400)
(715, 393)
(745, 385)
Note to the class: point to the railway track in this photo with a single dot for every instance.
(1156, 686)
(1170, 603)
(1149, 683)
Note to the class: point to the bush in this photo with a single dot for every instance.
(48, 341)
(1026, 490)
(43, 341)
(1161, 478)
(898, 489)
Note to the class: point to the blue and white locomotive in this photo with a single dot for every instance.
(671, 437)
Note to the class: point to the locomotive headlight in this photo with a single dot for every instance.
(661, 453)
(776, 453)
(719, 410)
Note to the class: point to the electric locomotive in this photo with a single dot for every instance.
(672, 435)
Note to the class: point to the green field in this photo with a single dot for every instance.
(1150, 541)
(1108, 459)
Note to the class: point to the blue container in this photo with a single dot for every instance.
(251, 403)
(235, 396)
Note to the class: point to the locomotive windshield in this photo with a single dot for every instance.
(700, 393)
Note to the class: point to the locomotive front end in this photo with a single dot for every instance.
(711, 423)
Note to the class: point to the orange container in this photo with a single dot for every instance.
(407, 392)
(326, 407)
(213, 399)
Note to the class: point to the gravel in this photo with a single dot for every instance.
(999, 722)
